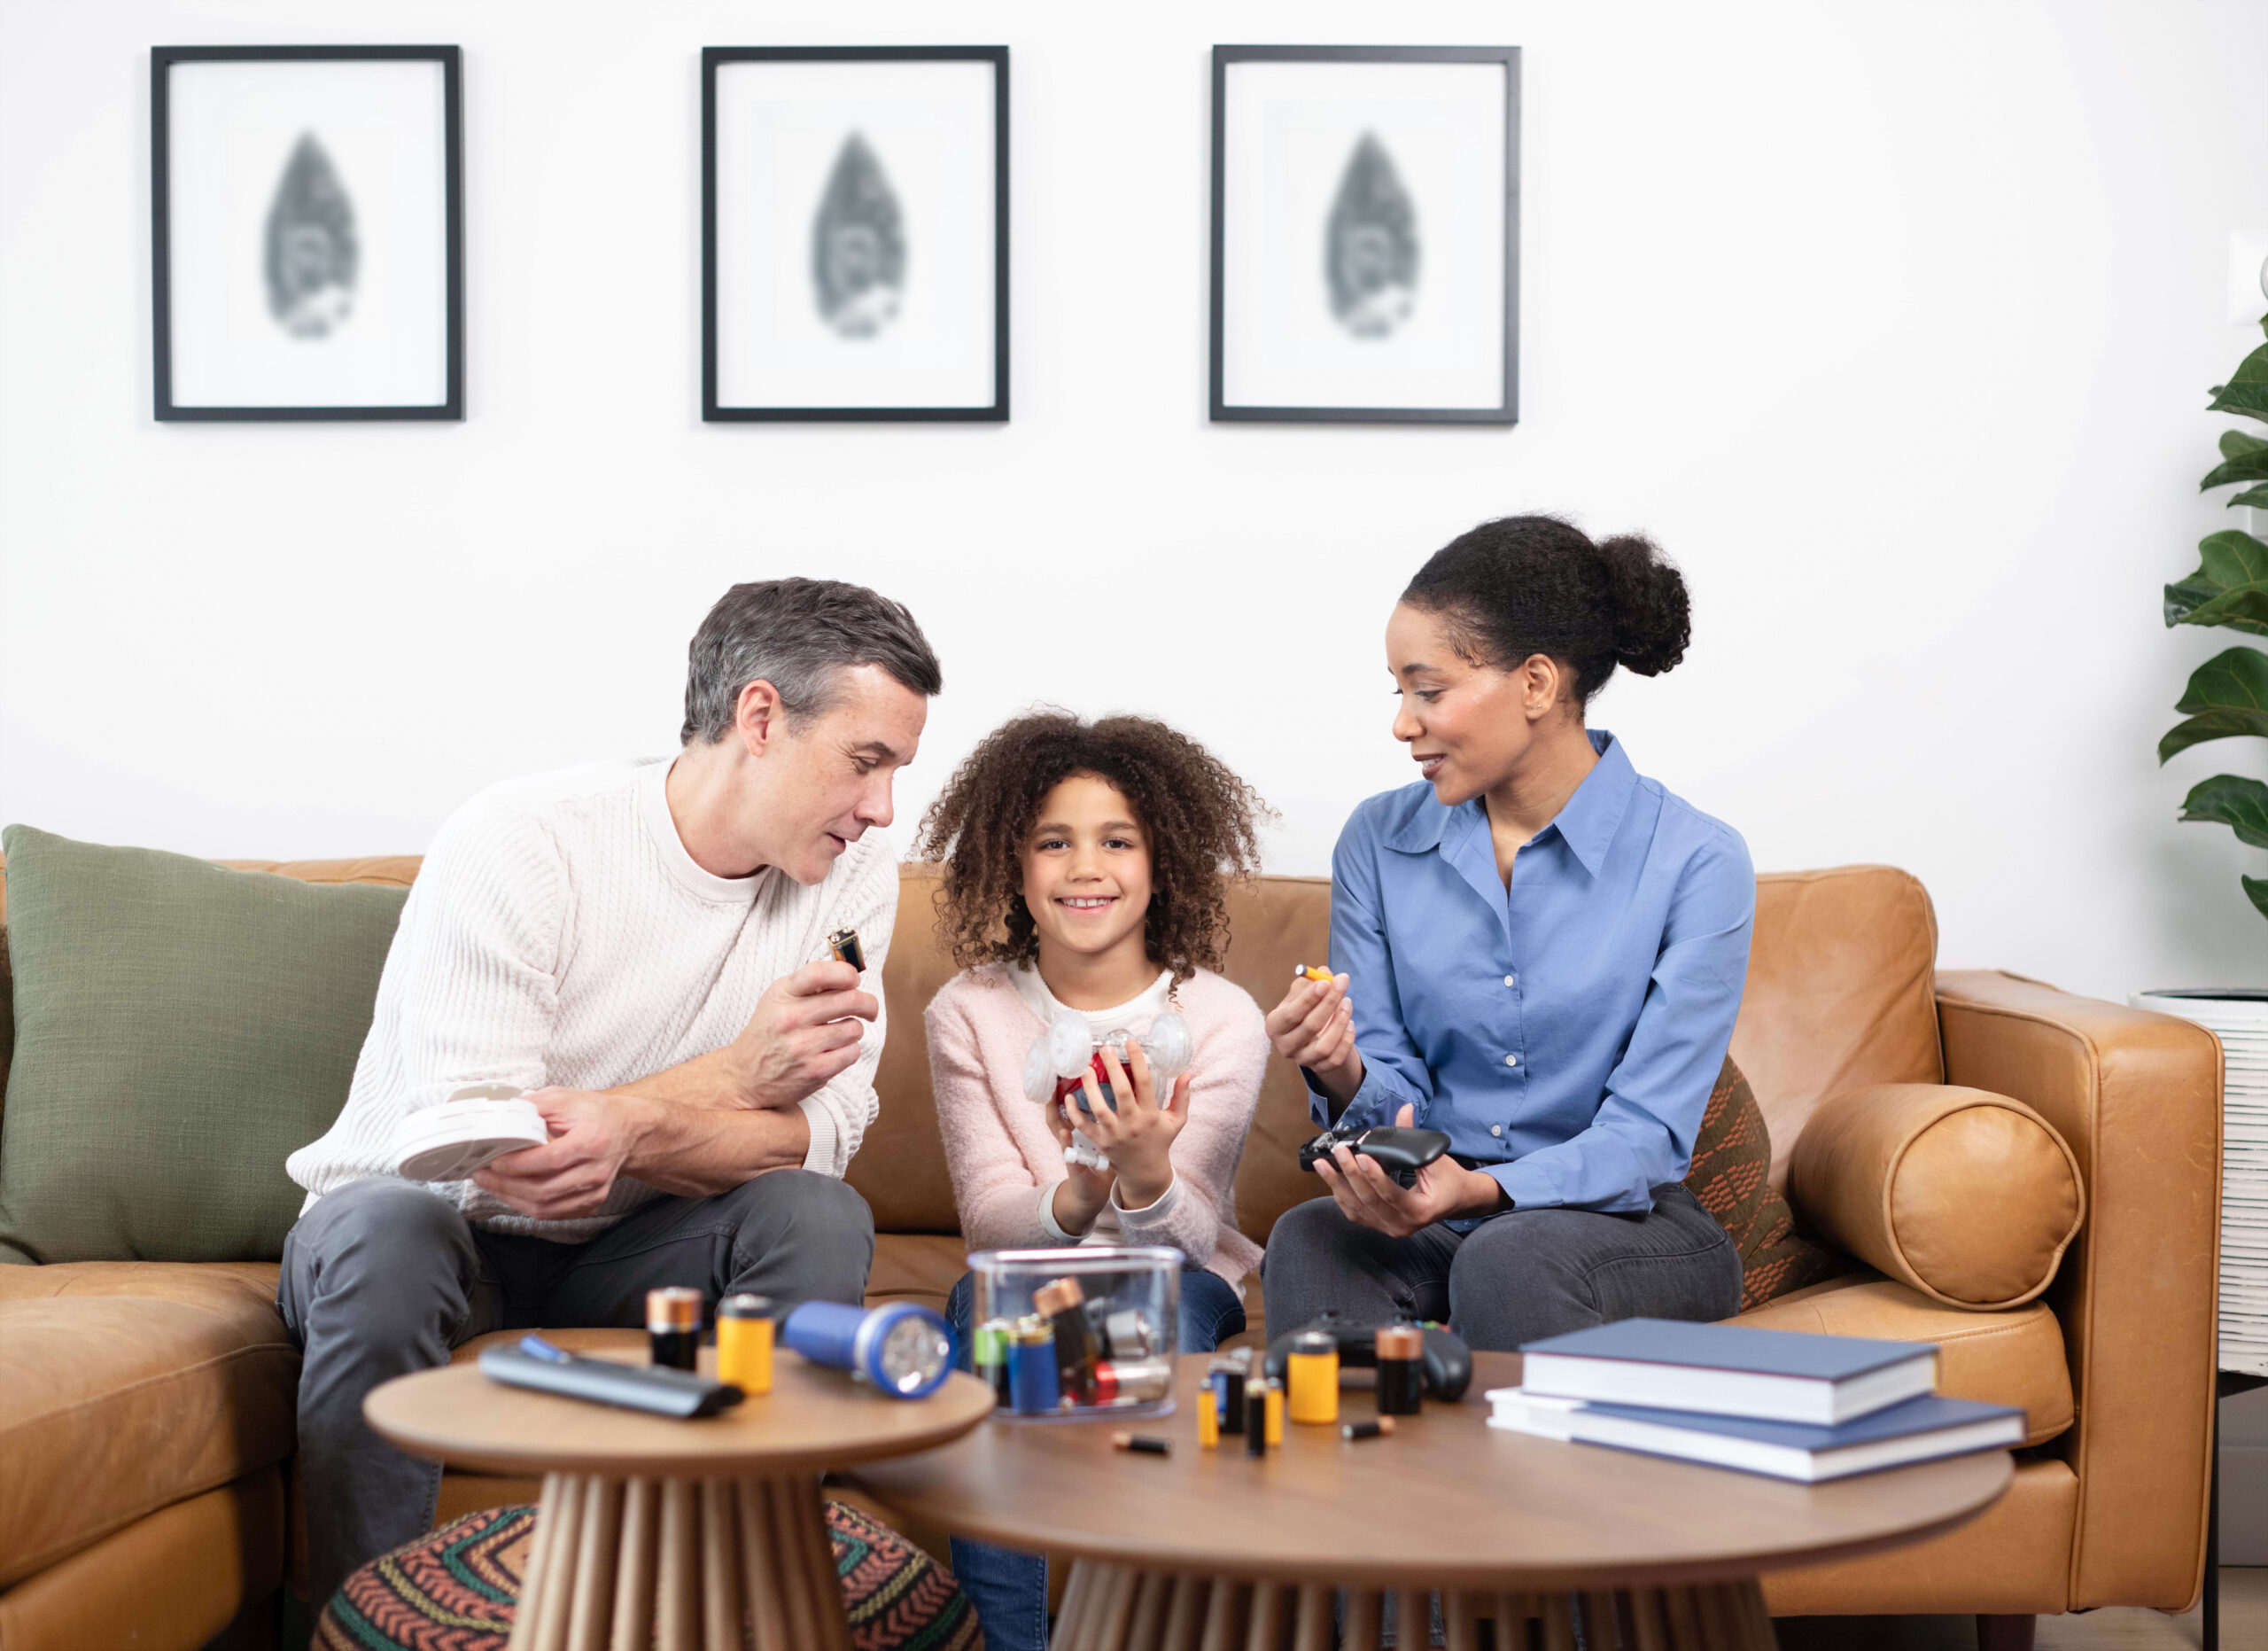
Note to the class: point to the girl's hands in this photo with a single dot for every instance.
(1081, 1193)
(1314, 1027)
(1137, 1138)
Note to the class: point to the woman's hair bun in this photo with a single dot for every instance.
(1526, 585)
(1653, 618)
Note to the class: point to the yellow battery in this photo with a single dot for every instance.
(1275, 1391)
(744, 1342)
(1208, 1419)
(1312, 1371)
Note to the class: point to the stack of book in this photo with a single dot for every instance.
(1777, 1402)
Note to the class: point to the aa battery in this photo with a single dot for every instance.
(1401, 1369)
(1256, 1419)
(1034, 1386)
(673, 1327)
(989, 1353)
(1231, 1380)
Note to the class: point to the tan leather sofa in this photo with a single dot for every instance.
(145, 1417)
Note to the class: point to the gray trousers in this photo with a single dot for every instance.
(384, 1277)
(1517, 1277)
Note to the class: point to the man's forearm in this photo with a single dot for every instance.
(697, 1150)
(705, 1081)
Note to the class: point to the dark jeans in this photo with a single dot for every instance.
(1517, 1277)
(1008, 1586)
(384, 1277)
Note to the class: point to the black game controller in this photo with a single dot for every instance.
(1401, 1153)
(1449, 1362)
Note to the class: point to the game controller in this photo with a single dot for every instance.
(1401, 1153)
(1448, 1360)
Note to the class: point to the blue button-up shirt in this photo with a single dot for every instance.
(1564, 1031)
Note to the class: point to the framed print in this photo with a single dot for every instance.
(854, 232)
(1366, 234)
(307, 231)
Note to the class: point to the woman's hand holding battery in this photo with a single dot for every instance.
(1370, 1197)
(1137, 1138)
(1314, 1027)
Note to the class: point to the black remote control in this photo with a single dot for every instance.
(665, 1392)
(1401, 1153)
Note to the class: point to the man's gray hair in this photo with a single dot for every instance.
(798, 635)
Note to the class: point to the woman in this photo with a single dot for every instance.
(1540, 953)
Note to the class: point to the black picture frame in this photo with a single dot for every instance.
(715, 58)
(162, 60)
(1507, 411)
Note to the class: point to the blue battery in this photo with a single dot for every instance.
(1034, 1384)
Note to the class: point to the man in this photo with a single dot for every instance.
(632, 944)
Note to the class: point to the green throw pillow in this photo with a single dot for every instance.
(180, 1030)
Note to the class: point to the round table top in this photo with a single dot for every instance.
(814, 1418)
(1446, 1502)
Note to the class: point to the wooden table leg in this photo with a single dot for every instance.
(683, 1565)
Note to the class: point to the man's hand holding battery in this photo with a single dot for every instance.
(805, 1031)
(1138, 1137)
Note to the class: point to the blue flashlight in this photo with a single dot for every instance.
(903, 1349)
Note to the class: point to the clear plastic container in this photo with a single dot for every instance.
(1065, 1334)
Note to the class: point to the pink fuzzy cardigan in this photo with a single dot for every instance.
(1002, 1158)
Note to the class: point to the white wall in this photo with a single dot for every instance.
(1891, 323)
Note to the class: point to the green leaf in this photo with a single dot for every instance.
(2229, 588)
(2245, 467)
(2227, 695)
(2247, 391)
(2224, 800)
(2257, 887)
(2236, 444)
(2255, 496)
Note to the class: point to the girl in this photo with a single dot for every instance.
(1086, 867)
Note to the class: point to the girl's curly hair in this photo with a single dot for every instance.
(1201, 820)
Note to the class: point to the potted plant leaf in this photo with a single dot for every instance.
(2227, 699)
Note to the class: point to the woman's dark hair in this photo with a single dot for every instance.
(1200, 818)
(1526, 585)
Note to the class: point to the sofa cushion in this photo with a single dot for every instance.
(1841, 992)
(916, 1266)
(2011, 1358)
(125, 1388)
(1732, 1155)
(180, 1030)
(1968, 1196)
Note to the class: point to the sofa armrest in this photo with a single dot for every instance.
(2136, 1097)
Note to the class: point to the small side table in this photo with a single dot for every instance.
(667, 1535)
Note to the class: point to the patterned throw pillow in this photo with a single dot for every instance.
(458, 1589)
(1731, 1158)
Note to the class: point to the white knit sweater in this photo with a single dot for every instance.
(559, 933)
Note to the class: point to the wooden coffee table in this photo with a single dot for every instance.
(656, 1533)
(1205, 1550)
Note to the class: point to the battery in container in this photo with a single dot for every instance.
(988, 1354)
(1034, 1388)
(673, 1327)
(1133, 1381)
(1063, 1304)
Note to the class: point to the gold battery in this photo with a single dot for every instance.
(744, 1342)
(1311, 1369)
(1274, 1414)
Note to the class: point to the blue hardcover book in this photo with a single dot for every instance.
(1919, 1429)
(1730, 1370)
